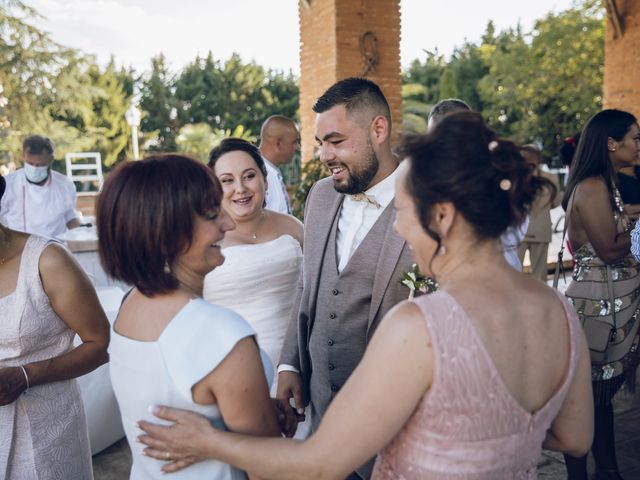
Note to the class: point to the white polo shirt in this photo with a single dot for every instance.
(39, 209)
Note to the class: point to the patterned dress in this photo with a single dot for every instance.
(589, 293)
(43, 434)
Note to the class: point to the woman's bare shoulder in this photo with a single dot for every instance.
(590, 186)
(285, 224)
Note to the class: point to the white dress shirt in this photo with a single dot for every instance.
(277, 197)
(511, 239)
(40, 209)
(358, 216)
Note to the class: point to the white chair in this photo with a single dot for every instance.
(85, 168)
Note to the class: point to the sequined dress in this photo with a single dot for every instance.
(590, 296)
(468, 425)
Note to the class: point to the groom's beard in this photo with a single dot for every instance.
(360, 178)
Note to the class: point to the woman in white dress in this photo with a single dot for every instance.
(45, 300)
(160, 229)
(263, 253)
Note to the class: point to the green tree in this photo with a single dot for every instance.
(448, 88)
(198, 139)
(545, 85)
(158, 104)
(58, 92)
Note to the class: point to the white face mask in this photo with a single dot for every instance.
(35, 174)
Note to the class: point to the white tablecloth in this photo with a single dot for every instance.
(101, 408)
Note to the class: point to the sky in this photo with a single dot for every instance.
(266, 31)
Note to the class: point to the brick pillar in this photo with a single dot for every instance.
(330, 50)
(622, 59)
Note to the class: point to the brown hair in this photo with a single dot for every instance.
(463, 162)
(233, 144)
(145, 217)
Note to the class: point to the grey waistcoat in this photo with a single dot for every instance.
(339, 333)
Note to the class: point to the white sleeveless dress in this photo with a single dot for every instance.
(192, 345)
(259, 282)
(43, 433)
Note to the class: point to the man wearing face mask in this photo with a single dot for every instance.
(37, 199)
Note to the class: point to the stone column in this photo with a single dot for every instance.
(347, 38)
(622, 56)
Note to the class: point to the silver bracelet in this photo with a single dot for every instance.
(26, 377)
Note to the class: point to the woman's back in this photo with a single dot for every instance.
(164, 371)
(497, 386)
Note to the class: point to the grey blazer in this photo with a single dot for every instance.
(323, 205)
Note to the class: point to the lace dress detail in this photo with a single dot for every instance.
(468, 425)
(43, 434)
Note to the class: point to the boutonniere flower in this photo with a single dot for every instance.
(415, 281)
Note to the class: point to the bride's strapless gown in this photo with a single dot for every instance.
(259, 282)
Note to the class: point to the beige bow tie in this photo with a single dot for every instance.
(363, 197)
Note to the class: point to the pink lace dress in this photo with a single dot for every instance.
(43, 434)
(468, 425)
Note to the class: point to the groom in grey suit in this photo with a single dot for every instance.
(353, 261)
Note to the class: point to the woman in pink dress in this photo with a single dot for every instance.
(468, 382)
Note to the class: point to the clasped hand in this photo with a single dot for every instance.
(12, 384)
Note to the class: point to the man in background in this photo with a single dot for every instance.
(279, 141)
(37, 199)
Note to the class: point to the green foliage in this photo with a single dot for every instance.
(448, 88)
(538, 86)
(312, 171)
(230, 93)
(58, 92)
(159, 107)
(198, 139)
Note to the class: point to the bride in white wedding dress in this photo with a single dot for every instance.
(263, 254)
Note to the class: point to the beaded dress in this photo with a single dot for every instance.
(590, 296)
(468, 425)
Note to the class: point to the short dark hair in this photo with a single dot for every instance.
(3, 186)
(462, 161)
(446, 106)
(145, 217)
(233, 144)
(356, 94)
(591, 158)
(36, 144)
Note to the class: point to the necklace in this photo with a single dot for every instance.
(254, 235)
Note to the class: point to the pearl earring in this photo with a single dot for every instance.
(167, 268)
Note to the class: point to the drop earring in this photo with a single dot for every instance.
(442, 250)
(167, 268)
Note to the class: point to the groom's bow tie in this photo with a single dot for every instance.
(363, 197)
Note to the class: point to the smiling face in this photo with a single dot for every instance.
(346, 149)
(407, 222)
(626, 152)
(204, 254)
(243, 184)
